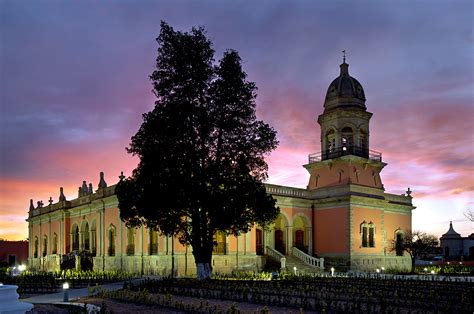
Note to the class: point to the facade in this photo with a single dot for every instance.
(455, 247)
(13, 253)
(343, 216)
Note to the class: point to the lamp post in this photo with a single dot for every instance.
(294, 269)
(66, 292)
(332, 271)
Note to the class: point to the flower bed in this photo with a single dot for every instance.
(321, 294)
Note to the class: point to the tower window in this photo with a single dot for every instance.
(330, 141)
(347, 139)
(367, 232)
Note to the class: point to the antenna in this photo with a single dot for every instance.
(344, 56)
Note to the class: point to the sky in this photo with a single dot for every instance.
(74, 84)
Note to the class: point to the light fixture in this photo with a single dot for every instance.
(66, 292)
(294, 268)
(332, 271)
(22, 267)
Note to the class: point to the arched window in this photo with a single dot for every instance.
(219, 243)
(85, 236)
(93, 241)
(131, 241)
(75, 238)
(45, 245)
(111, 238)
(35, 254)
(367, 232)
(399, 238)
(347, 140)
(153, 248)
(259, 241)
(55, 244)
(330, 141)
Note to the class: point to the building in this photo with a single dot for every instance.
(343, 216)
(13, 253)
(455, 247)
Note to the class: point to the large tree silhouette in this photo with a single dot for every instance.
(201, 149)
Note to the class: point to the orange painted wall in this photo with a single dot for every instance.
(331, 231)
(394, 221)
(330, 177)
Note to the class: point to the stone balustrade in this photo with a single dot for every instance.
(277, 256)
(307, 259)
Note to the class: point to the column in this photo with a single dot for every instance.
(289, 239)
(309, 239)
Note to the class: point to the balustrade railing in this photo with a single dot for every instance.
(307, 259)
(277, 256)
(343, 151)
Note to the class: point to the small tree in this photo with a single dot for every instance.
(469, 214)
(201, 150)
(415, 243)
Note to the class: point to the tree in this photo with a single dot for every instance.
(415, 243)
(201, 149)
(469, 214)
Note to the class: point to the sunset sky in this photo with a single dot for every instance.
(74, 84)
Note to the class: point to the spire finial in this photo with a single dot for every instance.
(344, 56)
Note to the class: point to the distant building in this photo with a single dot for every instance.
(344, 215)
(456, 247)
(13, 252)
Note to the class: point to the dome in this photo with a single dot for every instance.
(451, 233)
(344, 91)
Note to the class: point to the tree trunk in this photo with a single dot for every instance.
(203, 259)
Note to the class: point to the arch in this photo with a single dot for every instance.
(301, 232)
(399, 238)
(220, 245)
(93, 237)
(367, 234)
(330, 138)
(85, 236)
(131, 241)
(347, 139)
(364, 142)
(54, 248)
(259, 241)
(74, 237)
(153, 242)
(45, 245)
(111, 235)
(35, 254)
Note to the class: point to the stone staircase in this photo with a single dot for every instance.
(301, 268)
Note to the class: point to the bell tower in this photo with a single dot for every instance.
(345, 156)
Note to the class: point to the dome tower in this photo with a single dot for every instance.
(345, 136)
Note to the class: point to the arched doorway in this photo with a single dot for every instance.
(259, 241)
(75, 238)
(85, 236)
(279, 242)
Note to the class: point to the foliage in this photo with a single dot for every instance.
(469, 214)
(201, 148)
(68, 261)
(311, 293)
(415, 243)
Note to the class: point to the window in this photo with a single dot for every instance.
(75, 238)
(347, 139)
(153, 249)
(35, 254)
(85, 237)
(130, 241)
(220, 246)
(45, 245)
(330, 141)
(367, 231)
(399, 243)
(111, 238)
(55, 244)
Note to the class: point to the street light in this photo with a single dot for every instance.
(294, 268)
(383, 269)
(332, 271)
(66, 292)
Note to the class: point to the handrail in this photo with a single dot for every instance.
(307, 259)
(277, 256)
(342, 151)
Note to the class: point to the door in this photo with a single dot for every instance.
(299, 239)
(279, 245)
(259, 242)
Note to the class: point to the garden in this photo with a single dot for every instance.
(318, 293)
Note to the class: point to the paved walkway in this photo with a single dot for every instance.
(74, 294)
